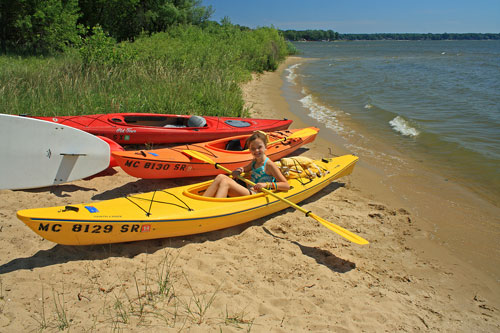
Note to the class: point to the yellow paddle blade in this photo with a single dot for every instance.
(341, 231)
(204, 158)
(199, 156)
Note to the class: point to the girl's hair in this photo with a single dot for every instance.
(256, 135)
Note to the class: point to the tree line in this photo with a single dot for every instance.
(47, 26)
(330, 35)
(310, 35)
(417, 36)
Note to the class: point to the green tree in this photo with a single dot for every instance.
(39, 26)
(8, 15)
(127, 19)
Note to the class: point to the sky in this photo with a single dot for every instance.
(363, 16)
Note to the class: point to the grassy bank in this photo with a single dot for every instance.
(187, 70)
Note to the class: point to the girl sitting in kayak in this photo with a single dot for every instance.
(265, 174)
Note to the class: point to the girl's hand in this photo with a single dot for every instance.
(237, 172)
(259, 186)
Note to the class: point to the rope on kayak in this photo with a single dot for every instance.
(151, 204)
(295, 162)
(128, 198)
(188, 147)
(151, 201)
(185, 204)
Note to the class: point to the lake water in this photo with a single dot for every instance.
(435, 101)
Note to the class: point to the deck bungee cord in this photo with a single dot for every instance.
(151, 201)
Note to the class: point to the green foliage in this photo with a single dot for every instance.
(39, 26)
(127, 19)
(291, 48)
(48, 26)
(100, 49)
(187, 70)
(310, 35)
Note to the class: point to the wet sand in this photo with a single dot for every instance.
(281, 273)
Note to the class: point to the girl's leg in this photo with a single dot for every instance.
(212, 189)
(234, 190)
(224, 186)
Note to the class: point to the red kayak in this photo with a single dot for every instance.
(141, 128)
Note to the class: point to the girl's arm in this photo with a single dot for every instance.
(281, 182)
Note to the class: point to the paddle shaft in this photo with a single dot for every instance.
(335, 228)
(339, 230)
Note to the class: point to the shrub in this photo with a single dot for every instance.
(101, 49)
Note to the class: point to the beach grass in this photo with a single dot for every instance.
(145, 298)
(187, 70)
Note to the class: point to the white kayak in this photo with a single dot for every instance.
(36, 153)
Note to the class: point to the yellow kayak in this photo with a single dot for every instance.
(172, 212)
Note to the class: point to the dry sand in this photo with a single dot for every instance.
(282, 273)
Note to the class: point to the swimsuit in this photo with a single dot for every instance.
(259, 174)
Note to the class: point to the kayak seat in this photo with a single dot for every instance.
(234, 145)
(176, 122)
(196, 121)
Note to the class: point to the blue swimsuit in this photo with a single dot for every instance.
(259, 175)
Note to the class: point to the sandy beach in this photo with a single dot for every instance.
(281, 273)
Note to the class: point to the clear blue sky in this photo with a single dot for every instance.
(363, 16)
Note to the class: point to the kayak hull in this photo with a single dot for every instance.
(173, 212)
(173, 163)
(142, 128)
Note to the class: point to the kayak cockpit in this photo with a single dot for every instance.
(159, 121)
(233, 145)
(238, 144)
(196, 192)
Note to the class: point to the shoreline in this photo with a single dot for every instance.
(429, 243)
(281, 273)
(454, 216)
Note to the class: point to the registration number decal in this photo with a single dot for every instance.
(95, 228)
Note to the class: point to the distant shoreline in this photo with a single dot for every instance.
(330, 35)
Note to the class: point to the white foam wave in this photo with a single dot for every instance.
(321, 113)
(402, 126)
(368, 106)
(291, 73)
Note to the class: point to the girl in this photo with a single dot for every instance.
(265, 174)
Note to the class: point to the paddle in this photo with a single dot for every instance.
(305, 132)
(335, 228)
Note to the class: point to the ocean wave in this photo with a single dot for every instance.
(291, 73)
(401, 126)
(321, 113)
(368, 106)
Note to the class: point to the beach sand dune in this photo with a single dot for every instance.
(281, 273)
